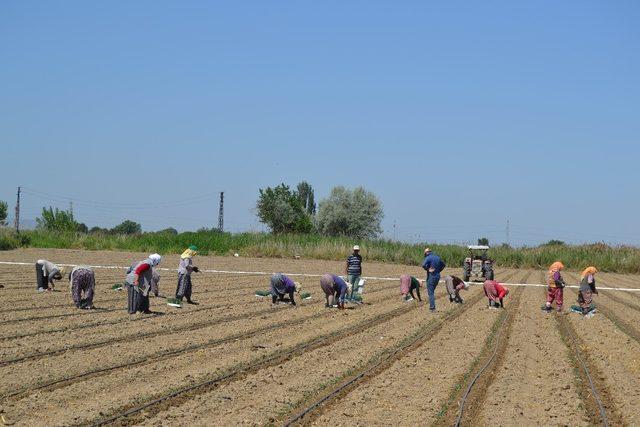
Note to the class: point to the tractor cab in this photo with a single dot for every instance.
(478, 267)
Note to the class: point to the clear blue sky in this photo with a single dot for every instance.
(458, 115)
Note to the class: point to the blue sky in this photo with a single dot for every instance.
(458, 115)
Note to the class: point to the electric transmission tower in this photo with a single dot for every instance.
(221, 213)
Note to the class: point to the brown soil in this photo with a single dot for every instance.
(62, 366)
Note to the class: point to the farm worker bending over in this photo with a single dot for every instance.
(433, 264)
(46, 273)
(407, 285)
(556, 285)
(83, 285)
(454, 286)
(139, 282)
(184, 274)
(587, 289)
(335, 288)
(353, 270)
(281, 285)
(495, 292)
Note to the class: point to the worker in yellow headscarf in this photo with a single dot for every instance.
(587, 289)
(556, 285)
(184, 274)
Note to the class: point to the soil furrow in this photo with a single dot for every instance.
(308, 411)
(240, 371)
(593, 391)
(470, 392)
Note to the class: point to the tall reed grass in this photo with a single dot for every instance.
(624, 259)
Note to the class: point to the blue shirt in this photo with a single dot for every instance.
(433, 261)
(339, 285)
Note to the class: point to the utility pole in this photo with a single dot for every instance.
(71, 208)
(17, 219)
(221, 213)
(394, 230)
(508, 234)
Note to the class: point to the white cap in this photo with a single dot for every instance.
(356, 248)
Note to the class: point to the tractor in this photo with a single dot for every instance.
(478, 267)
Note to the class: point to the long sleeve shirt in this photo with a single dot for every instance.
(340, 286)
(433, 261)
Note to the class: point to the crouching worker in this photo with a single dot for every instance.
(587, 289)
(335, 290)
(454, 286)
(556, 285)
(496, 293)
(83, 284)
(185, 268)
(408, 284)
(46, 273)
(282, 285)
(139, 282)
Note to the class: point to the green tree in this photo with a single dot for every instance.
(82, 228)
(483, 241)
(56, 220)
(355, 213)
(282, 210)
(98, 230)
(127, 227)
(3, 212)
(169, 230)
(305, 193)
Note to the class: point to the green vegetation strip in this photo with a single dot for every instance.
(623, 259)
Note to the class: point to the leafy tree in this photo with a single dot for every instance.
(56, 220)
(98, 230)
(282, 210)
(127, 227)
(355, 213)
(82, 228)
(554, 242)
(169, 230)
(483, 241)
(305, 193)
(3, 212)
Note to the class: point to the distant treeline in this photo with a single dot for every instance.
(622, 259)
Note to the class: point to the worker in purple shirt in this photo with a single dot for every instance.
(434, 265)
(282, 285)
(334, 288)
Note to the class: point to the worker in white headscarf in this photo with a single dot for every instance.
(139, 283)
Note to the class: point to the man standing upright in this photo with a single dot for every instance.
(353, 269)
(433, 264)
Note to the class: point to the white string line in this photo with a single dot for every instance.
(267, 273)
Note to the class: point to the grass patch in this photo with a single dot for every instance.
(623, 259)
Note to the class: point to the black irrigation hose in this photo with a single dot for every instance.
(596, 396)
(466, 393)
(475, 379)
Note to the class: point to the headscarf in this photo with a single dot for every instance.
(589, 271)
(190, 252)
(155, 259)
(556, 266)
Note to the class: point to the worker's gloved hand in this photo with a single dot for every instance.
(196, 269)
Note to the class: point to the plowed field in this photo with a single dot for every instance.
(234, 359)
